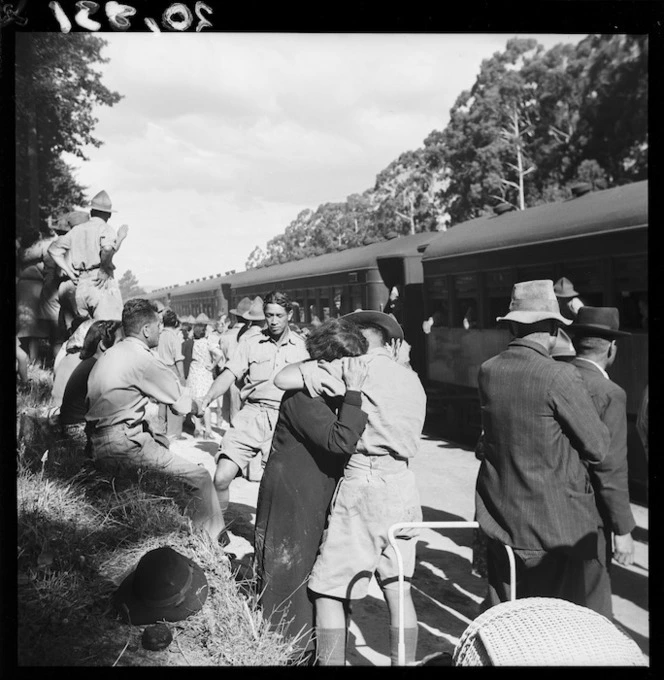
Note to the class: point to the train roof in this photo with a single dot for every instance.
(613, 209)
(352, 259)
(206, 284)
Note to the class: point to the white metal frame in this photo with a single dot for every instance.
(401, 649)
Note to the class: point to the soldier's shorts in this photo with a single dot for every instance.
(355, 544)
(250, 434)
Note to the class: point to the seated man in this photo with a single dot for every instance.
(120, 385)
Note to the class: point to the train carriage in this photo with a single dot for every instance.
(334, 284)
(598, 240)
(209, 295)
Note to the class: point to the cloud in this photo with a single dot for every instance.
(221, 138)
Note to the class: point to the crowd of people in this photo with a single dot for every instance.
(317, 420)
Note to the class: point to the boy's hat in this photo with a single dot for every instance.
(564, 288)
(534, 301)
(164, 586)
(386, 321)
(601, 322)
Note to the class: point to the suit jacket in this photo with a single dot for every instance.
(540, 426)
(609, 478)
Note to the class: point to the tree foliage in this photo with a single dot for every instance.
(534, 123)
(57, 88)
(129, 286)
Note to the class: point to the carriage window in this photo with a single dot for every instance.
(499, 286)
(356, 301)
(296, 312)
(586, 277)
(631, 281)
(438, 301)
(465, 307)
(337, 301)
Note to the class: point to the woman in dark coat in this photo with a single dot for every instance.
(311, 443)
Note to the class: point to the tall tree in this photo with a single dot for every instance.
(57, 88)
(129, 286)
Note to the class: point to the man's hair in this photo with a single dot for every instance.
(100, 331)
(170, 319)
(277, 297)
(136, 313)
(105, 215)
(199, 330)
(336, 338)
(520, 330)
(590, 345)
(378, 330)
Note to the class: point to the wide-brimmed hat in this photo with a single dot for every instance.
(534, 301)
(386, 321)
(563, 346)
(165, 586)
(102, 201)
(242, 307)
(602, 322)
(255, 311)
(563, 288)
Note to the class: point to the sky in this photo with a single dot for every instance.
(221, 139)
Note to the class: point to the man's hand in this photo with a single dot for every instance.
(203, 404)
(196, 409)
(71, 273)
(354, 373)
(123, 231)
(623, 549)
(102, 277)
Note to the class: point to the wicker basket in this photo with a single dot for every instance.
(545, 631)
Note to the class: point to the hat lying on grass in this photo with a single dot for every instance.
(165, 586)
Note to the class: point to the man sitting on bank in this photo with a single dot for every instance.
(120, 385)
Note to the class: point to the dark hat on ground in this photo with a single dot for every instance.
(601, 322)
(563, 288)
(164, 586)
(534, 301)
(255, 311)
(386, 321)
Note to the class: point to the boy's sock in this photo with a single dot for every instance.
(331, 646)
(410, 644)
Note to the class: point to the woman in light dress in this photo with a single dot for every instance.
(203, 358)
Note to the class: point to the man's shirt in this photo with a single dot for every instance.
(83, 243)
(259, 358)
(392, 397)
(170, 346)
(123, 381)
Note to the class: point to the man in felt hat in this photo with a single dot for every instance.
(568, 299)
(125, 379)
(85, 255)
(256, 360)
(541, 435)
(355, 543)
(595, 334)
(248, 320)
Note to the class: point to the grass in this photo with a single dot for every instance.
(81, 531)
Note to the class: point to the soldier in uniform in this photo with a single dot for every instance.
(257, 359)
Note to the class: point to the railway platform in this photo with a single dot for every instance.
(446, 591)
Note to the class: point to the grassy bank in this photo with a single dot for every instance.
(80, 531)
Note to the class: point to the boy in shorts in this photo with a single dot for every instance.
(377, 490)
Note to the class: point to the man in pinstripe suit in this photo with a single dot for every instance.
(541, 433)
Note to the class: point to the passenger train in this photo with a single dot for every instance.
(460, 280)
